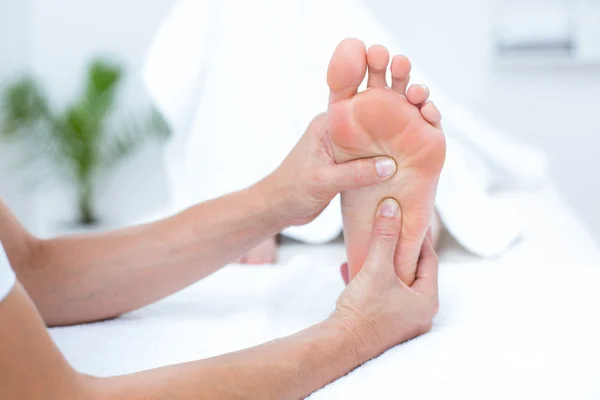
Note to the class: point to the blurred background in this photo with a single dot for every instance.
(530, 68)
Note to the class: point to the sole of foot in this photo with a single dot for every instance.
(394, 120)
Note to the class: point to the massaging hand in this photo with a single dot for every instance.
(308, 179)
(377, 305)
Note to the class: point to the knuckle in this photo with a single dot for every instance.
(386, 233)
(387, 229)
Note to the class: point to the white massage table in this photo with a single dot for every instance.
(523, 326)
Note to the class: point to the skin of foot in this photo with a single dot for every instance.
(396, 121)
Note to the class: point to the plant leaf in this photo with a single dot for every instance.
(23, 105)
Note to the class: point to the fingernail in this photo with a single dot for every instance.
(385, 167)
(389, 208)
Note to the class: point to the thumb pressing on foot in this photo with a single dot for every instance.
(360, 173)
(386, 232)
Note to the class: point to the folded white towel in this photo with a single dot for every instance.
(240, 80)
(503, 333)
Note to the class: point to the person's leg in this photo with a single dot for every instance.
(264, 253)
(381, 120)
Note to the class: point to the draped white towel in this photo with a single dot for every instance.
(240, 80)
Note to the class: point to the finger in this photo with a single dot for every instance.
(427, 270)
(360, 173)
(417, 94)
(386, 231)
(345, 273)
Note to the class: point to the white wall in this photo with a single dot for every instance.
(13, 54)
(13, 43)
(64, 36)
(552, 108)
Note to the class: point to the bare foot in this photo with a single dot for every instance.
(264, 253)
(397, 122)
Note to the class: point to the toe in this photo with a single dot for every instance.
(347, 69)
(378, 58)
(417, 94)
(432, 115)
(400, 73)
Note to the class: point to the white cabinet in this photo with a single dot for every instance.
(555, 31)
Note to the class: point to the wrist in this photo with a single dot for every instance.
(276, 199)
(272, 199)
(359, 342)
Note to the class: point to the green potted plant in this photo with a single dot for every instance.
(81, 143)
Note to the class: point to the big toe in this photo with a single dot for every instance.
(347, 69)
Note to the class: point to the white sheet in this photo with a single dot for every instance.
(507, 328)
(504, 332)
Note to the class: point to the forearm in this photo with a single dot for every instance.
(288, 368)
(85, 278)
(31, 366)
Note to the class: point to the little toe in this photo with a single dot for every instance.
(378, 58)
(417, 94)
(400, 69)
(431, 114)
(347, 69)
